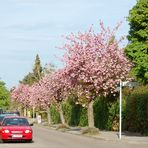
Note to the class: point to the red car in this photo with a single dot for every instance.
(14, 128)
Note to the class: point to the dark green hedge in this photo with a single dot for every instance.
(55, 116)
(101, 113)
(136, 110)
(75, 114)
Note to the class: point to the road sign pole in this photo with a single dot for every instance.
(120, 112)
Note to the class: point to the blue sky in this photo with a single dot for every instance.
(30, 27)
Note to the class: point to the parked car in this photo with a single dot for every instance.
(2, 116)
(14, 128)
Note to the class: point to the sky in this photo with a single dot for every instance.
(31, 27)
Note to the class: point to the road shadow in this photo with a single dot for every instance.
(16, 142)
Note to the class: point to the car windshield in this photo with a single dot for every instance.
(15, 122)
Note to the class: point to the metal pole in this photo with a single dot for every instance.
(120, 113)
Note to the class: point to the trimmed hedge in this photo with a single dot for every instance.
(75, 114)
(101, 113)
(55, 116)
(136, 112)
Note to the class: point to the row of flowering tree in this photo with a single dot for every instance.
(49, 90)
(94, 64)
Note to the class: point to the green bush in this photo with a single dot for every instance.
(67, 111)
(55, 116)
(83, 117)
(75, 114)
(136, 119)
(113, 117)
(101, 113)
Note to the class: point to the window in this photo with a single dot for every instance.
(15, 122)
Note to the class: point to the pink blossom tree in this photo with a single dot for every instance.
(57, 85)
(43, 95)
(21, 94)
(94, 64)
(40, 91)
(49, 90)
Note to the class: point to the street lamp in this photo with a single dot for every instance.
(120, 111)
(129, 84)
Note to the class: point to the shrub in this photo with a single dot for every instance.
(83, 117)
(100, 113)
(136, 119)
(67, 111)
(75, 114)
(54, 115)
(113, 117)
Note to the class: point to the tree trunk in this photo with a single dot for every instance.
(25, 111)
(61, 114)
(90, 114)
(49, 116)
(33, 113)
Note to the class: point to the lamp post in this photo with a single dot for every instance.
(131, 85)
(120, 111)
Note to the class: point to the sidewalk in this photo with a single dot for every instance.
(113, 136)
(133, 138)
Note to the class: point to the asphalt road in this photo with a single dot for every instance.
(48, 138)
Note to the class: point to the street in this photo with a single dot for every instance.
(48, 138)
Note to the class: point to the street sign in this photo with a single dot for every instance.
(129, 84)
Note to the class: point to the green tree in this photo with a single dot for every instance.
(35, 75)
(37, 69)
(137, 49)
(28, 79)
(4, 96)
